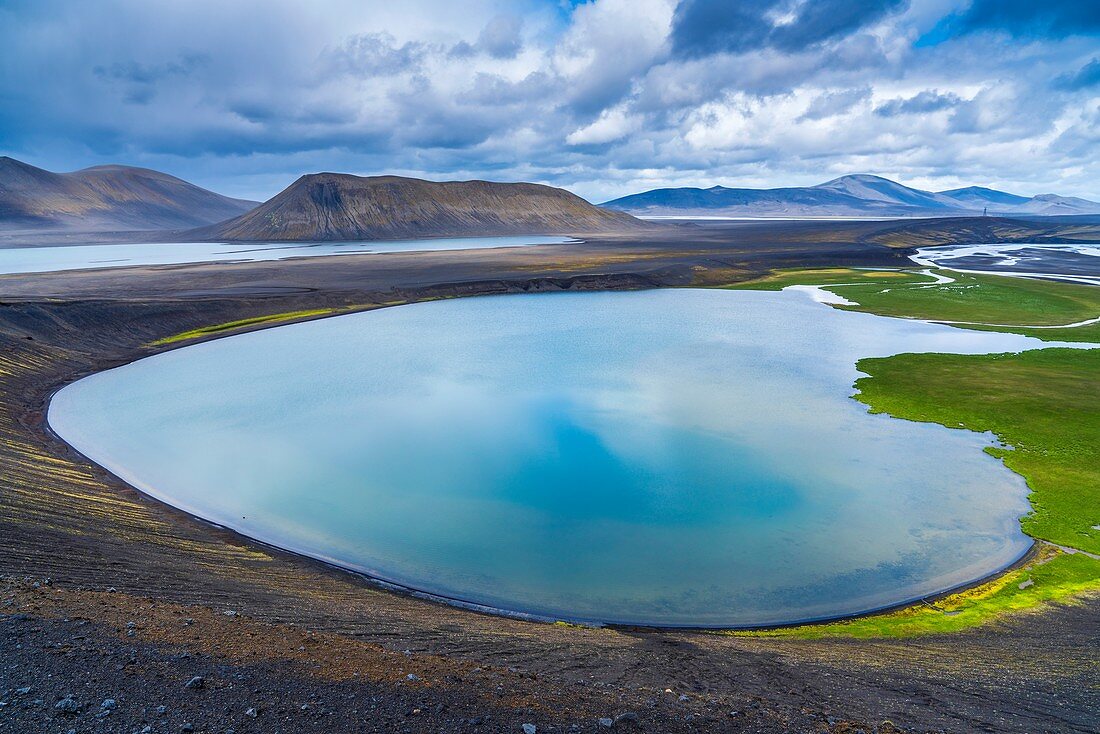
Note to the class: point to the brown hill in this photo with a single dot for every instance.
(106, 198)
(336, 206)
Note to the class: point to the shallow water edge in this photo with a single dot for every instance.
(458, 601)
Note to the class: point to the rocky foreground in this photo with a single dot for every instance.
(114, 605)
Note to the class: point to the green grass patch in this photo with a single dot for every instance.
(990, 299)
(1045, 403)
(1063, 578)
(780, 279)
(1008, 304)
(241, 323)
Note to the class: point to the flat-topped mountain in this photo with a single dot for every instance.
(847, 196)
(106, 198)
(339, 206)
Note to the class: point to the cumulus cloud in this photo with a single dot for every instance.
(501, 37)
(605, 96)
(923, 103)
(371, 54)
(611, 125)
(831, 104)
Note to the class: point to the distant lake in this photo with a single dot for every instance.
(674, 457)
(1078, 263)
(79, 257)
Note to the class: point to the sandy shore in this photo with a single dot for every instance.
(127, 573)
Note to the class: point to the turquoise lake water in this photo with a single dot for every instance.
(672, 457)
(80, 257)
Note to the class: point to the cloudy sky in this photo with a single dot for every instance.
(605, 97)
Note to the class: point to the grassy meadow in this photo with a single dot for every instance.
(1043, 405)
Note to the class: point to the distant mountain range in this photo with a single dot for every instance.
(106, 198)
(847, 196)
(339, 206)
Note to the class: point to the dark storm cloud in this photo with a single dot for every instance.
(704, 27)
(139, 81)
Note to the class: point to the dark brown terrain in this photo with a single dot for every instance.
(339, 206)
(119, 601)
(106, 198)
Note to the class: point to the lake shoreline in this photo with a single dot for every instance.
(70, 522)
(457, 601)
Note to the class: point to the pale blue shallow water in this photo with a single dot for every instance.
(79, 257)
(674, 457)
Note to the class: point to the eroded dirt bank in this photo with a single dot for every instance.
(126, 574)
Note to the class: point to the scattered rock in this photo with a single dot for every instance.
(196, 683)
(412, 677)
(22, 691)
(67, 706)
(162, 710)
(529, 729)
(606, 723)
(252, 712)
(108, 704)
(627, 717)
(1025, 584)
(684, 697)
(187, 727)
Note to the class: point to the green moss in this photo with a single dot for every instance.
(780, 279)
(1062, 579)
(241, 323)
(1044, 405)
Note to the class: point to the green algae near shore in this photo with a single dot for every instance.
(267, 320)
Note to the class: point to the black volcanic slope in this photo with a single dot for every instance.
(336, 206)
(106, 198)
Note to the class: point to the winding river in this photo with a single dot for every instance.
(1079, 263)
